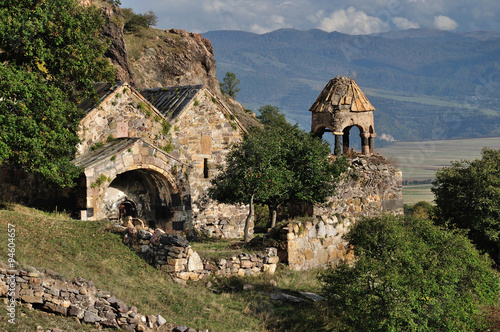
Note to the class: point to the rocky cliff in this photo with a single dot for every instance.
(151, 58)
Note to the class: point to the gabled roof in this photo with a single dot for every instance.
(171, 101)
(103, 90)
(105, 152)
(341, 94)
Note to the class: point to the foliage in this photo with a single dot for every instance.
(51, 55)
(421, 209)
(313, 177)
(134, 22)
(276, 164)
(468, 197)
(229, 85)
(410, 275)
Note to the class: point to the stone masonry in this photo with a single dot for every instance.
(174, 255)
(369, 188)
(77, 298)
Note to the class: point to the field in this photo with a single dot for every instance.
(420, 160)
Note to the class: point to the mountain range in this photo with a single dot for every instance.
(424, 83)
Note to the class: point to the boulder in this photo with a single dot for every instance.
(174, 240)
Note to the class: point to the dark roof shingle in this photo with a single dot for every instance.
(172, 100)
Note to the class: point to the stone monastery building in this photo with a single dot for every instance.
(150, 154)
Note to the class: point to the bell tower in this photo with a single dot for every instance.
(339, 107)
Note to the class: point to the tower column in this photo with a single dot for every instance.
(365, 145)
(345, 142)
(372, 142)
(338, 142)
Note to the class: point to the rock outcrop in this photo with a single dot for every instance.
(172, 57)
(113, 31)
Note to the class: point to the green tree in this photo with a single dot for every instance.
(229, 85)
(254, 171)
(274, 165)
(306, 159)
(51, 56)
(134, 22)
(468, 197)
(409, 275)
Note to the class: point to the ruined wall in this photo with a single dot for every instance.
(174, 255)
(78, 299)
(308, 245)
(201, 137)
(369, 188)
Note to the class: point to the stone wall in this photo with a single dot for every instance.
(174, 255)
(201, 137)
(78, 299)
(369, 188)
(307, 245)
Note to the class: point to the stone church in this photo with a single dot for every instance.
(150, 154)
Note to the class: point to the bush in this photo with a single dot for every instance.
(421, 209)
(409, 275)
(468, 197)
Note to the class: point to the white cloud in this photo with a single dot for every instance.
(352, 21)
(404, 23)
(348, 16)
(442, 22)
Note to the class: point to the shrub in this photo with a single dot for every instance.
(410, 275)
(468, 197)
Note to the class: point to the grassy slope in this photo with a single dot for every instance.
(77, 248)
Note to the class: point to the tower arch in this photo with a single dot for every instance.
(343, 105)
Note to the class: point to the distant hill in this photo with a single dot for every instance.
(425, 83)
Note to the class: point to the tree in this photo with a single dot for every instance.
(254, 171)
(134, 22)
(51, 56)
(306, 158)
(409, 275)
(274, 165)
(468, 197)
(229, 85)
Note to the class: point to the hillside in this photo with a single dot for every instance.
(73, 248)
(424, 83)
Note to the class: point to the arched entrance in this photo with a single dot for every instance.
(141, 193)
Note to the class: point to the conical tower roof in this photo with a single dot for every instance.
(341, 94)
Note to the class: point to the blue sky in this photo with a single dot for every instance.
(352, 17)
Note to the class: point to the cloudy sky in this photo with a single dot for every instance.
(352, 17)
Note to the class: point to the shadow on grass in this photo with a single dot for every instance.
(277, 315)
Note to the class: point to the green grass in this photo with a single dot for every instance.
(212, 249)
(421, 160)
(416, 193)
(76, 248)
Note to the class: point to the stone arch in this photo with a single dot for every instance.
(152, 196)
(319, 131)
(134, 170)
(346, 141)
